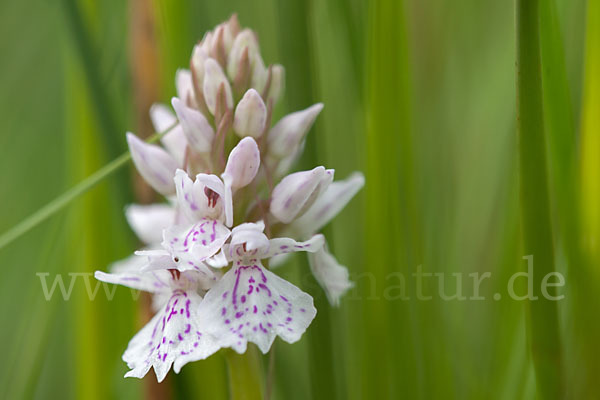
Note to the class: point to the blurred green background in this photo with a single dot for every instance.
(419, 95)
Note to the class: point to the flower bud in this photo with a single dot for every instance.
(213, 79)
(197, 130)
(293, 192)
(245, 39)
(250, 115)
(185, 86)
(199, 56)
(174, 141)
(154, 164)
(289, 132)
(276, 85)
(243, 163)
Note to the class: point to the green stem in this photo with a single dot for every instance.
(543, 329)
(64, 199)
(245, 374)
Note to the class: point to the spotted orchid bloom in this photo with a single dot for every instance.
(174, 336)
(324, 203)
(233, 211)
(250, 303)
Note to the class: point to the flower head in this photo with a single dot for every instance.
(222, 168)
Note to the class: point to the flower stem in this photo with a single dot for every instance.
(67, 197)
(245, 375)
(542, 321)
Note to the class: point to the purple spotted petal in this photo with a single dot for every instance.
(251, 304)
(172, 337)
(190, 246)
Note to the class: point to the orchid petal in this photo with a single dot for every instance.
(286, 245)
(244, 39)
(213, 79)
(190, 246)
(148, 221)
(174, 140)
(172, 337)
(153, 282)
(185, 86)
(154, 164)
(331, 275)
(293, 192)
(251, 304)
(243, 163)
(289, 132)
(250, 115)
(198, 132)
(328, 205)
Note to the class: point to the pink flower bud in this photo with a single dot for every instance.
(250, 115)
(289, 132)
(197, 130)
(293, 192)
(155, 165)
(213, 79)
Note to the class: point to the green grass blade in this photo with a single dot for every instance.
(535, 209)
(66, 198)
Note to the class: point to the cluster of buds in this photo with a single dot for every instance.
(228, 208)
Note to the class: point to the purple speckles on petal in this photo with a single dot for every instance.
(283, 298)
(164, 357)
(302, 310)
(227, 321)
(243, 299)
(223, 311)
(255, 309)
(187, 329)
(239, 314)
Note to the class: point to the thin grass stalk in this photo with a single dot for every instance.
(542, 315)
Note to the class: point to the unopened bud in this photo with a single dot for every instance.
(154, 164)
(289, 132)
(197, 130)
(250, 115)
(243, 163)
(293, 192)
(213, 79)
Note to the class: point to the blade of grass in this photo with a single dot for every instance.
(64, 199)
(535, 209)
(392, 228)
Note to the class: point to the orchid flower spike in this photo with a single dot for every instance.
(231, 203)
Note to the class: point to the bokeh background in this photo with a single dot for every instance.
(419, 95)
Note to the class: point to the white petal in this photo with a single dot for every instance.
(213, 79)
(190, 246)
(251, 304)
(148, 221)
(243, 163)
(332, 276)
(174, 140)
(193, 197)
(153, 282)
(259, 76)
(155, 165)
(198, 132)
(289, 132)
(328, 205)
(286, 245)
(293, 193)
(250, 115)
(172, 336)
(184, 85)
